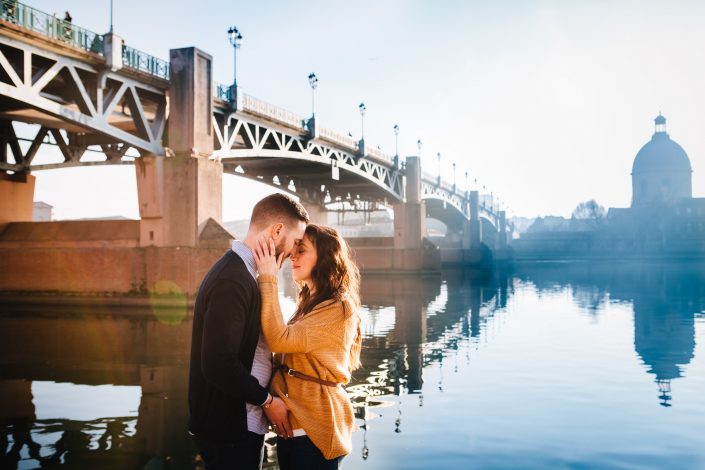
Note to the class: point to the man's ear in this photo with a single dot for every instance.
(277, 230)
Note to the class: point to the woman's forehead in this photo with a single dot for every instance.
(306, 242)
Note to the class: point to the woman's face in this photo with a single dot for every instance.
(303, 259)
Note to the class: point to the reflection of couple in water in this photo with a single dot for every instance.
(236, 386)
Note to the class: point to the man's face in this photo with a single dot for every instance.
(290, 236)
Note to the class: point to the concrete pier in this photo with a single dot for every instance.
(163, 255)
(16, 198)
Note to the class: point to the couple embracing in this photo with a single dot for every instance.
(249, 369)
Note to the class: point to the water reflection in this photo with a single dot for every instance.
(665, 299)
(431, 317)
(55, 361)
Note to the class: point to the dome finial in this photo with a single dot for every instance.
(660, 122)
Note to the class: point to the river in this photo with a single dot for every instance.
(564, 365)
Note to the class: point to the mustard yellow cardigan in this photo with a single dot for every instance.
(317, 345)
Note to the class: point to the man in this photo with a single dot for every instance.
(230, 362)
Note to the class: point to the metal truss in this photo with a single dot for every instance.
(93, 105)
(239, 139)
(453, 200)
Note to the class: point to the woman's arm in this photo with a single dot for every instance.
(280, 337)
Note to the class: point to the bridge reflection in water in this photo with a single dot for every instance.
(149, 349)
(106, 387)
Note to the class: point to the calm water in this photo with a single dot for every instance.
(546, 366)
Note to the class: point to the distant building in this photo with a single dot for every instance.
(661, 172)
(42, 212)
(663, 221)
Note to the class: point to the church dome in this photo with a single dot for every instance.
(661, 153)
(661, 172)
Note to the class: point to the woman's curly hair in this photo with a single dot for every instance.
(335, 277)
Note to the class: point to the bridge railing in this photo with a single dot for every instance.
(337, 138)
(266, 110)
(221, 91)
(138, 60)
(378, 154)
(51, 26)
(433, 178)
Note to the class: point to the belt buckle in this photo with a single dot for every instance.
(290, 372)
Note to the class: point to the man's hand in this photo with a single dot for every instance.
(278, 414)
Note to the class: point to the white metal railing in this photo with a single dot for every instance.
(254, 105)
(378, 154)
(337, 138)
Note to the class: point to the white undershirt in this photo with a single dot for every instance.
(262, 363)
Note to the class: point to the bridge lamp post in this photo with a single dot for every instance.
(419, 144)
(235, 38)
(311, 125)
(438, 156)
(396, 146)
(453, 177)
(313, 82)
(362, 109)
(361, 144)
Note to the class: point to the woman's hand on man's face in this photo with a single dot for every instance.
(265, 257)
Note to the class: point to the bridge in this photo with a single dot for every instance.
(101, 102)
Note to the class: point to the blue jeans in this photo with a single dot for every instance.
(246, 454)
(299, 453)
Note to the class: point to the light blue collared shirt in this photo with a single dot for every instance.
(244, 252)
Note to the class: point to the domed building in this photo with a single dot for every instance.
(664, 220)
(661, 172)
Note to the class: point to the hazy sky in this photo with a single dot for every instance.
(546, 103)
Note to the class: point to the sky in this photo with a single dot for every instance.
(545, 103)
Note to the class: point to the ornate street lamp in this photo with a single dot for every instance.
(396, 146)
(362, 109)
(418, 144)
(453, 176)
(235, 39)
(361, 145)
(313, 82)
(438, 156)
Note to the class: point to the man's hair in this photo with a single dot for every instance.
(277, 208)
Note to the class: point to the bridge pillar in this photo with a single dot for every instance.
(181, 192)
(410, 216)
(502, 230)
(16, 198)
(410, 221)
(475, 234)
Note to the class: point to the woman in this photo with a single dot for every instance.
(318, 348)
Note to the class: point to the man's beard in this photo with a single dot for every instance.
(279, 248)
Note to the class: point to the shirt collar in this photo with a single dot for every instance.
(244, 252)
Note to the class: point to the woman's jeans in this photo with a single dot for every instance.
(299, 453)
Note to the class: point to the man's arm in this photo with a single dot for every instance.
(224, 325)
